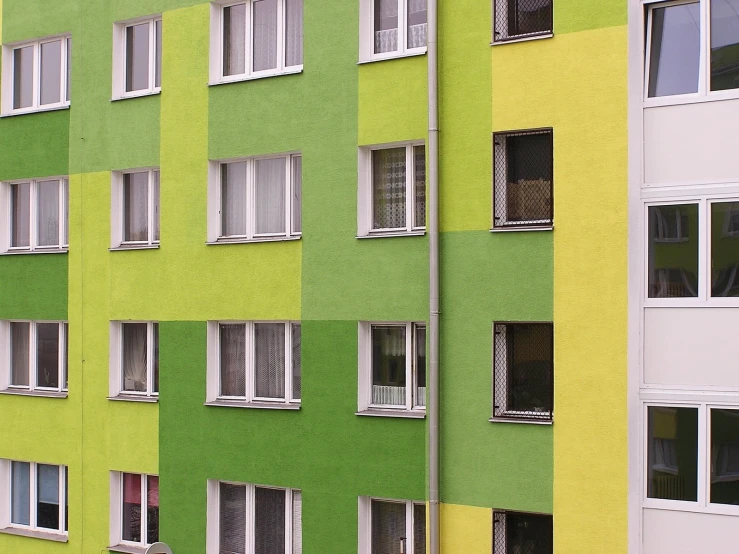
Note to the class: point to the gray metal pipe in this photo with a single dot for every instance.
(433, 230)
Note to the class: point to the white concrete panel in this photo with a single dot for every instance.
(691, 346)
(689, 533)
(691, 143)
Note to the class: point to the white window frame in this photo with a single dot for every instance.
(5, 362)
(215, 188)
(216, 45)
(364, 386)
(213, 514)
(366, 187)
(117, 207)
(116, 509)
(6, 213)
(8, 76)
(500, 32)
(116, 363)
(365, 522)
(6, 499)
(119, 57)
(367, 34)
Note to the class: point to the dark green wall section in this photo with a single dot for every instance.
(33, 286)
(333, 455)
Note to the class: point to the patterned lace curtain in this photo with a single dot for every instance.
(416, 23)
(386, 26)
(233, 360)
(388, 188)
(269, 340)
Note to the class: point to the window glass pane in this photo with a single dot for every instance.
(529, 16)
(152, 509)
(233, 199)
(388, 188)
(529, 378)
(47, 515)
(155, 350)
(270, 196)
(297, 201)
(419, 162)
(47, 213)
(47, 358)
(23, 77)
(269, 521)
(388, 526)
(20, 502)
(293, 32)
(296, 362)
(725, 249)
(65, 231)
(234, 40)
(388, 365)
(158, 65)
(725, 456)
(232, 518)
(673, 251)
(529, 533)
(51, 72)
(136, 207)
(675, 50)
(416, 23)
(265, 34)
(69, 69)
(137, 57)
(155, 199)
(233, 360)
(20, 337)
(672, 459)
(420, 361)
(269, 360)
(419, 529)
(529, 171)
(66, 356)
(131, 507)
(724, 44)
(297, 522)
(20, 200)
(134, 357)
(386, 26)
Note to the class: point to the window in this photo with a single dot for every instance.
(520, 19)
(392, 190)
(38, 215)
(255, 199)
(36, 356)
(392, 367)
(134, 353)
(134, 509)
(397, 526)
(725, 249)
(246, 518)
(675, 62)
(135, 209)
(673, 251)
(254, 362)
(392, 28)
(523, 371)
(36, 75)
(523, 179)
(519, 533)
(137, 57)
(36, 498)
(724, 456)
(256, 38)
(672, 463)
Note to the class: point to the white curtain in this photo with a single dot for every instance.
(20, 198)
(136, 207)
(269, 356)
(270, 196)
(233, 360)
(386, 26)
(416, 23)
(297, 523)
(156, 202)
(233, 199)
(297, 193)
(297, 357)
(388, 188)
(264, 16)
(48, 213)
(134, 357)
(234, 39)
(20, 505)
(293, 32)
(19, 348)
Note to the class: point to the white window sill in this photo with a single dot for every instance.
(256, 405)
(241, 78)
(37, 251)
(521, 39)
(407, 414)
(39, 393)
(511, 228)
(33, 534)
(388, 234)
(140, 94)
(124, 247)
(134, 398)
(393, 56)
(27, 111)
(696, 98)
(127, 549)
(254, 240)
(522, 419)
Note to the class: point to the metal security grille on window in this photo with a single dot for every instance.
(523, 179)
(517, 533)
(522, 18)
(523, 368)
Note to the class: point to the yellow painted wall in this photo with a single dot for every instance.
(466, 529)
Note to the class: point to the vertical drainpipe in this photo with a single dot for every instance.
(433, 229)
